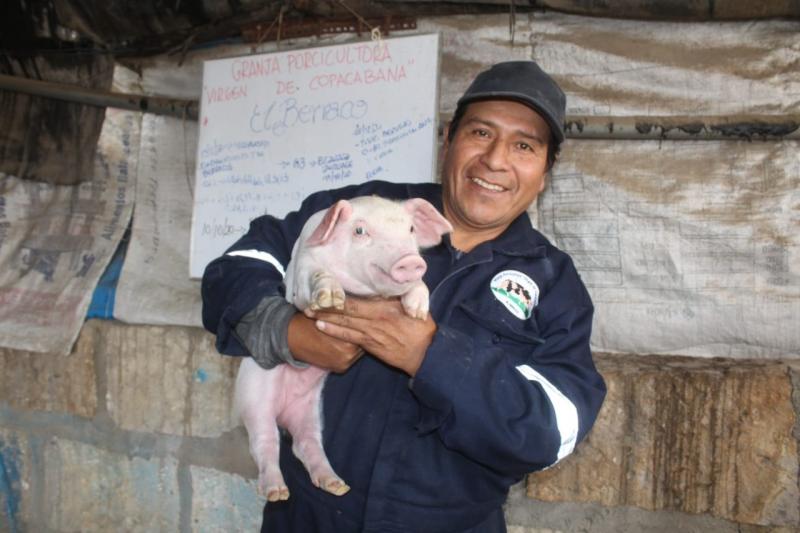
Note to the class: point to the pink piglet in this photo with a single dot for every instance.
(366, 246)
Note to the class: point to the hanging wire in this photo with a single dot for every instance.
(185, 48)
(263, 35)
(512, 20)
(280, 27)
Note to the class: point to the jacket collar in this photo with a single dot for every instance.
(521, 239)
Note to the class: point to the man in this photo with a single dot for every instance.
(431, 421)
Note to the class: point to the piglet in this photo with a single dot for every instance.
(368, 246)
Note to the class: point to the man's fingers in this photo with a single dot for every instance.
(370, 307)
(340, 331)
(353, 330)
(352, 306)
(358, 307)
(352, 322)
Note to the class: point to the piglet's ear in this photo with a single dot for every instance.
(336, 214)
(429, 224)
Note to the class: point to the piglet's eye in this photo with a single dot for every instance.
(360, 230)
(412, 229)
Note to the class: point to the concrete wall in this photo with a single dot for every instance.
(133, 432)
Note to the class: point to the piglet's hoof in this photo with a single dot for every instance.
(325, 299)
(276, 494)
(326, 291)
(335, 486)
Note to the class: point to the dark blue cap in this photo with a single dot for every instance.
(524, 82)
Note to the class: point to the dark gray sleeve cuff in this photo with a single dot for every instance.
(264, 332)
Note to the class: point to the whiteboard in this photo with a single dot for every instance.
(275, 127)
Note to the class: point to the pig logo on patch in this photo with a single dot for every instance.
(518, 292)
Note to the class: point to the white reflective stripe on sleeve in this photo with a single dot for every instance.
(566, 413)
(262, 256)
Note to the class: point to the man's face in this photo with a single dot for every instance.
(494, 168)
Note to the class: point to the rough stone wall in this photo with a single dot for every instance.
(133, 432)
(700, 436)
(130, 432)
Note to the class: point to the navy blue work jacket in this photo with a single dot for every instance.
(507, 387)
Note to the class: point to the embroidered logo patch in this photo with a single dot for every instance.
(516, 291)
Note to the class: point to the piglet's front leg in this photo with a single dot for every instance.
(326, 291)
(416, 301)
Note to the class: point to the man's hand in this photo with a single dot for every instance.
(310, 345)
(382, 328)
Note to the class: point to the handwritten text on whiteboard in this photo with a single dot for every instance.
(276, 127)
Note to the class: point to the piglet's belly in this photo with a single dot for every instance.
(296, 392)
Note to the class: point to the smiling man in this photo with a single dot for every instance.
(431, 421)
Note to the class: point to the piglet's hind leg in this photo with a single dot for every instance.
(304, 421)
(265, 448)
(257, 411)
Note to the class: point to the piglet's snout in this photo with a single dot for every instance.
(408, 268)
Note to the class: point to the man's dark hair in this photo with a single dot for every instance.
(553, 146)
